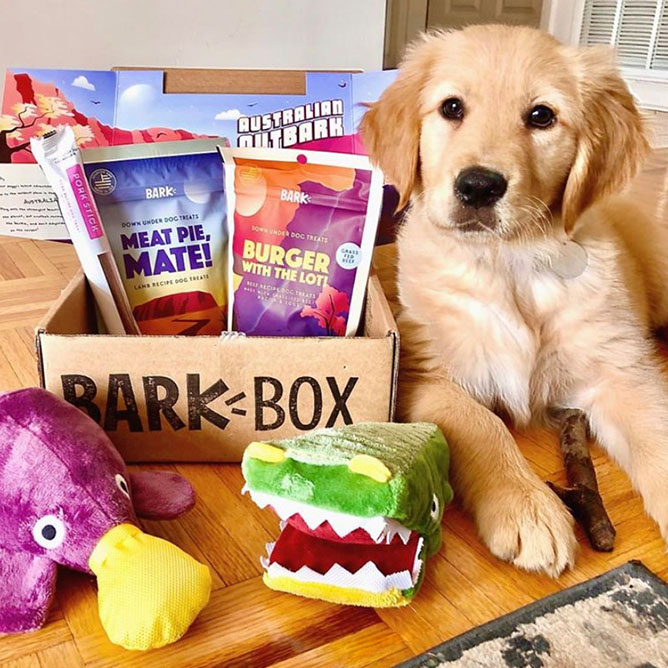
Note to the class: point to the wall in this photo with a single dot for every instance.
(299, 34)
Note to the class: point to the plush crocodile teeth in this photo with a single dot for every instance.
(265, 560)
(379, 528)
(417, 564)
(392, 529)
(368, 578)
(344, 524)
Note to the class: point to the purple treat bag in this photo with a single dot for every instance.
(302, 226)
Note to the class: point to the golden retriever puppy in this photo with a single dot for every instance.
(524, 286)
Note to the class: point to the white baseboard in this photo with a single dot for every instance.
(650, 93)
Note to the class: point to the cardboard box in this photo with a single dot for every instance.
(179, 398)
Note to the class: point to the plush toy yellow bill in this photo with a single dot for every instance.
(361, 510)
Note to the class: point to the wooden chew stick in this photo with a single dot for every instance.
(582, 496)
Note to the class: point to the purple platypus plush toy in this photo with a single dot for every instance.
(66, 498)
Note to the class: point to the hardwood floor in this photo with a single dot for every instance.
(245, 623)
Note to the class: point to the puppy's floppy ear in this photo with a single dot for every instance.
(391, 128)
(612, 142)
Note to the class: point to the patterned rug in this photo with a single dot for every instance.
(617, 620)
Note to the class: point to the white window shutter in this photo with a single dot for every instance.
(598, 22)
(660, 53)
(638, 29)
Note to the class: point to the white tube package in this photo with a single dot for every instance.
(58, 156)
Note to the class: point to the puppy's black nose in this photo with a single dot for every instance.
(478, 187)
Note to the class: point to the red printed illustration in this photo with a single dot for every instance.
(31, 107)
(330, 310)
(183, 313)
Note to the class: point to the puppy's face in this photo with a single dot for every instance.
(495, 129)
(498, 133)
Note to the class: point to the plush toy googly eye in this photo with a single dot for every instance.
(122, 484)
(49, 532)
(435, 508)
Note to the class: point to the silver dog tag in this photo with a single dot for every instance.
(571, 260)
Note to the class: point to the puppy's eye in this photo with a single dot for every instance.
(452, 108)
(541, 117)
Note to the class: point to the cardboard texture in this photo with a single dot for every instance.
(232, 82)
(241, 82)
(178, 398)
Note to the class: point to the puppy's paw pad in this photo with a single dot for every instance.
(530, 528)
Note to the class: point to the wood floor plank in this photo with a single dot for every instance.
(352, 651)
(8, 378)
(427, 620)
(30, 661)
(77, 596)
(461, 525)
(391, 660)
(55, 632)
(23, 260)
(8, 268)
(478, 568)
(19, 357)
(62, 256)
(230, 509)
(39, 258)
(60, 656)
(231, 476)
(224, 553)
(465, 597)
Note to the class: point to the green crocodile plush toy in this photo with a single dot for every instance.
(361, 509)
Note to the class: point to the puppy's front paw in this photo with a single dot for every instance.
(526, 524)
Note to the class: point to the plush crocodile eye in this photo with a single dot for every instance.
(435, 508)
(49, 532)
(122, 485)
(265, 452)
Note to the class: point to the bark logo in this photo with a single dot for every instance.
(272, 402)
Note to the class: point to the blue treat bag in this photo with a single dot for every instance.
(164, 211)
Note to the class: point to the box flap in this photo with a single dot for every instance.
(72, 312)
(233, 82)
(378, 318)
(385, 269)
